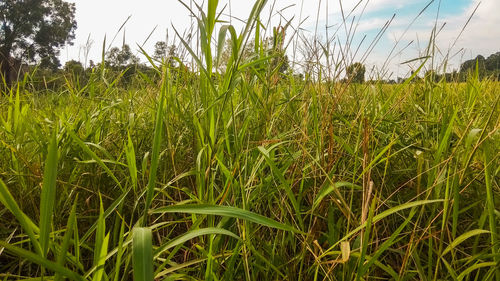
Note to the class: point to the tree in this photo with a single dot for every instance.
(356, 72)
(493, 62)
(470, 65)
(123, 57)
(73, 67)
(166, 52)
(272, 46)
(34, 30)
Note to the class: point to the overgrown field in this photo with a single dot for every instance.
(249, 174)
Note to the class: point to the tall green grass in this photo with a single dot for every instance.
(249, 173)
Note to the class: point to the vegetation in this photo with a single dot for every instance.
(34, 35)
(247, 172)
(487, 67)
(356, 73)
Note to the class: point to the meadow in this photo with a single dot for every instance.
(249, 173)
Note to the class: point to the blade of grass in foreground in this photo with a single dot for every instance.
(226, 211)
(132, 167)
(48, 195)
(32, 257)
(470, 269)
(100, 246)
(142, 247)
(462, 238)
(192, 234)
(10, 203)
(67, 239)
(155, 156)
(380, 217)
(490, 205)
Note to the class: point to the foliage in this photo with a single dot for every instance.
(204, 174)
(119, 58)
(356, 72)
(487, 67)
(162, 51)
(35, 30)
(73, 67)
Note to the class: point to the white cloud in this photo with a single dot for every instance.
(480, 36)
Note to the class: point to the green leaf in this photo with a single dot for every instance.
(381, 216)
(70, 225)
(142, 247)
(48, 196)
(98, 274)
(331, 187)
(28, 226)
(221, 42)
(226, 211)
(192, 234)
(468, 270)
(462, 238)
(94, 156)
(32, 257)
(132, 166)
(100, 246)
(155, 155)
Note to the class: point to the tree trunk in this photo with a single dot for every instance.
(5, 65)
(6, 71)
(6, 61)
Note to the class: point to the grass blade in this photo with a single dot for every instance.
(32, 257)
(383, 215)
(132, 166)
(28, 226)
(226, 211)
(192, 234)
(462, 238)
(155, 156)
(142, 246)
(94, 156)
(48, 196)
(66, 240)
(327, 189)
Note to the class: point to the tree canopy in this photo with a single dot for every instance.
(489, 67)
(121, 58)
(356, 72)
(35, 30)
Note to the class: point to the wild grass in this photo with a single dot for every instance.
(249, 174)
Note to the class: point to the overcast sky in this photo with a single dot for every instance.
(97, 18)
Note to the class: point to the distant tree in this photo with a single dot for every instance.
(470, 65)
(34, 30)
(272, 47)
(356, 72)
(492, 63)
(489, 67)
(247, 54)
(432, 76)
(166, 52)
(120, 58)
(73, 67)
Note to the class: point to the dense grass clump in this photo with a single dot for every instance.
(249, 174)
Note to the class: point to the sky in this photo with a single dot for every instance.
(406, 37)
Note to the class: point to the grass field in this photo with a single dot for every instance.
(249, 175)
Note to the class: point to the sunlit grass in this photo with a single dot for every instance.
(249, 174)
